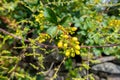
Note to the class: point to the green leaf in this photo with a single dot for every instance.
(107, 51)
(96, 52)
(52, 31)
(12, 69)
(34, 66)
(50, 15)
(19, 75)
(63, 20)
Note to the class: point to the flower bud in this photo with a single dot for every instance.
(74, 38)
(65, 45)
(77, 52)
(72, 54)
(73, 28)
(67, 53)
(60, 44)
(77, 47)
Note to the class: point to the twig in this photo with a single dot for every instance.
(47, 72)
(58, 68)
(20, 38)
(88, 62)
(110, 45)
(14, 36)
(41, 44)
(17, 64)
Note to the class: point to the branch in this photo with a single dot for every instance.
(40, 44)
(20, 38)
(110, 45)
(48, 71)
(14, 36)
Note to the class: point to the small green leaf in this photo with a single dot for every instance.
(107, 51)
(12, 69)
(50, 15)
(19, 75)
(34, 66)
(96, 52)
(63, 20)
(52, 31)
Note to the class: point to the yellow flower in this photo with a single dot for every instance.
(74, 38)
(41, 15)
(41, 40)
(65, 45)
(67, 53)
(37, 19)
(72, 50)
(77, 52)
(73, 28)
(77, 42)
(72, 54)
(65, 36)
(77, 47)
(60, 44)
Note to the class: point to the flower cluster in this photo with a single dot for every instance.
(114, 23)
(43, 37)
(67, 30)
(40, 16)
(69, 44)
(40, 19)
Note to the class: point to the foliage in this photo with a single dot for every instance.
(32, 29)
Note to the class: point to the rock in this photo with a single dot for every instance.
(116, 61)
(107, 67)
(96, 77)
(113, 77)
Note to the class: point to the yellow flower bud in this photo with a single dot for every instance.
(60, 44)
(77, 52)
(77, 42)
(65, 45)
(74, 38)
(65, 36)
(77, 47)
(73, 28)
(41, 40)
(41, 15)
(67, 53)
(72, 50)
(72, 54)
(37, 19)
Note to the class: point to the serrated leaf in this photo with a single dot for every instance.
(50, 15)
(63, 20)
(52, 31)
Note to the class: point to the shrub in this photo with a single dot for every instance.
(31, 30)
